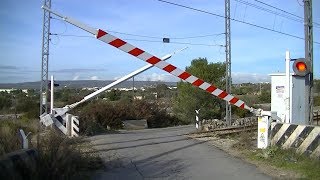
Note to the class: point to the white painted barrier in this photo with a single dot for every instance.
(72, 124)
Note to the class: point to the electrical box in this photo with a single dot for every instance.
(296, 104)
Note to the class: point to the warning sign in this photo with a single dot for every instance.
(280, 91)
(262, 132)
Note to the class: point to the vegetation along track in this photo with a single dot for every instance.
(225, 131)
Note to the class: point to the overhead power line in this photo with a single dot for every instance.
(159, 37)
(200, 36)
(71, 35)
(137, 35)
(175, 42)
(278, 9)
(301, 18)
(143, 40)
(295, 18)
(233, 19)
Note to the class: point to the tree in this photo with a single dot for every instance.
(5, 100)
(316, 85)
(161, 90)
(265, 96)
(190, 98)
(114, 95)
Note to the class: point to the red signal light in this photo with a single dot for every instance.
(301, 67)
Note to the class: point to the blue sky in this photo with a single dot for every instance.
(255, 52)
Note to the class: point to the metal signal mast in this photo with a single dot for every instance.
(45, 58)
(308, 32)
(228, 59)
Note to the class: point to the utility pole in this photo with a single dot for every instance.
(228, 59)
(308, 33)
(45, 58)
(44, 64)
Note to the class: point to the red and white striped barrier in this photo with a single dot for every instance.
(141, 54)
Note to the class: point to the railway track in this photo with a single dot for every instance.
(225, 131)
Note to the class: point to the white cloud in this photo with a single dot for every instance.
(94, 78)
(241, 77)
(157, 77)
(237, 77)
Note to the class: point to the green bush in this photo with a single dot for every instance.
(155, 116)
(316, 101)
(99, 115)
(241, 113)
(265, 96)
(162, 119)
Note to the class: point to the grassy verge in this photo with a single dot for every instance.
(287, 160)
(276, 162)
(59, 157)
(9, 137)
(276, 157)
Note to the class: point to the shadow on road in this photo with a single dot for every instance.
(134, 146)
(162, 169)
(157, 166)
(144, 161)
(135, 140)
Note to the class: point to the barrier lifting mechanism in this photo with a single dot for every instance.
(105, 37)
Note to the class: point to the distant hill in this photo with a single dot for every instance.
(83, 84)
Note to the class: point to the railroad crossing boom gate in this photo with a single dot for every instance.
(67, 123)
(155, 61)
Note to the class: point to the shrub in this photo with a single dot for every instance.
(316, 100)
(63, 158)
(9, 136)
(241, 113)
(59, 157)
(98, 115)
(162, 119)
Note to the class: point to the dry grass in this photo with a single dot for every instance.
(245, 140)
(9, 137)
(65, 158)
(59, 157)
(274, 160)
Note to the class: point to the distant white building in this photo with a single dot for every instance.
(172, 87)
(9, 90)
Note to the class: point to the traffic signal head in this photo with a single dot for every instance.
(301, 67)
